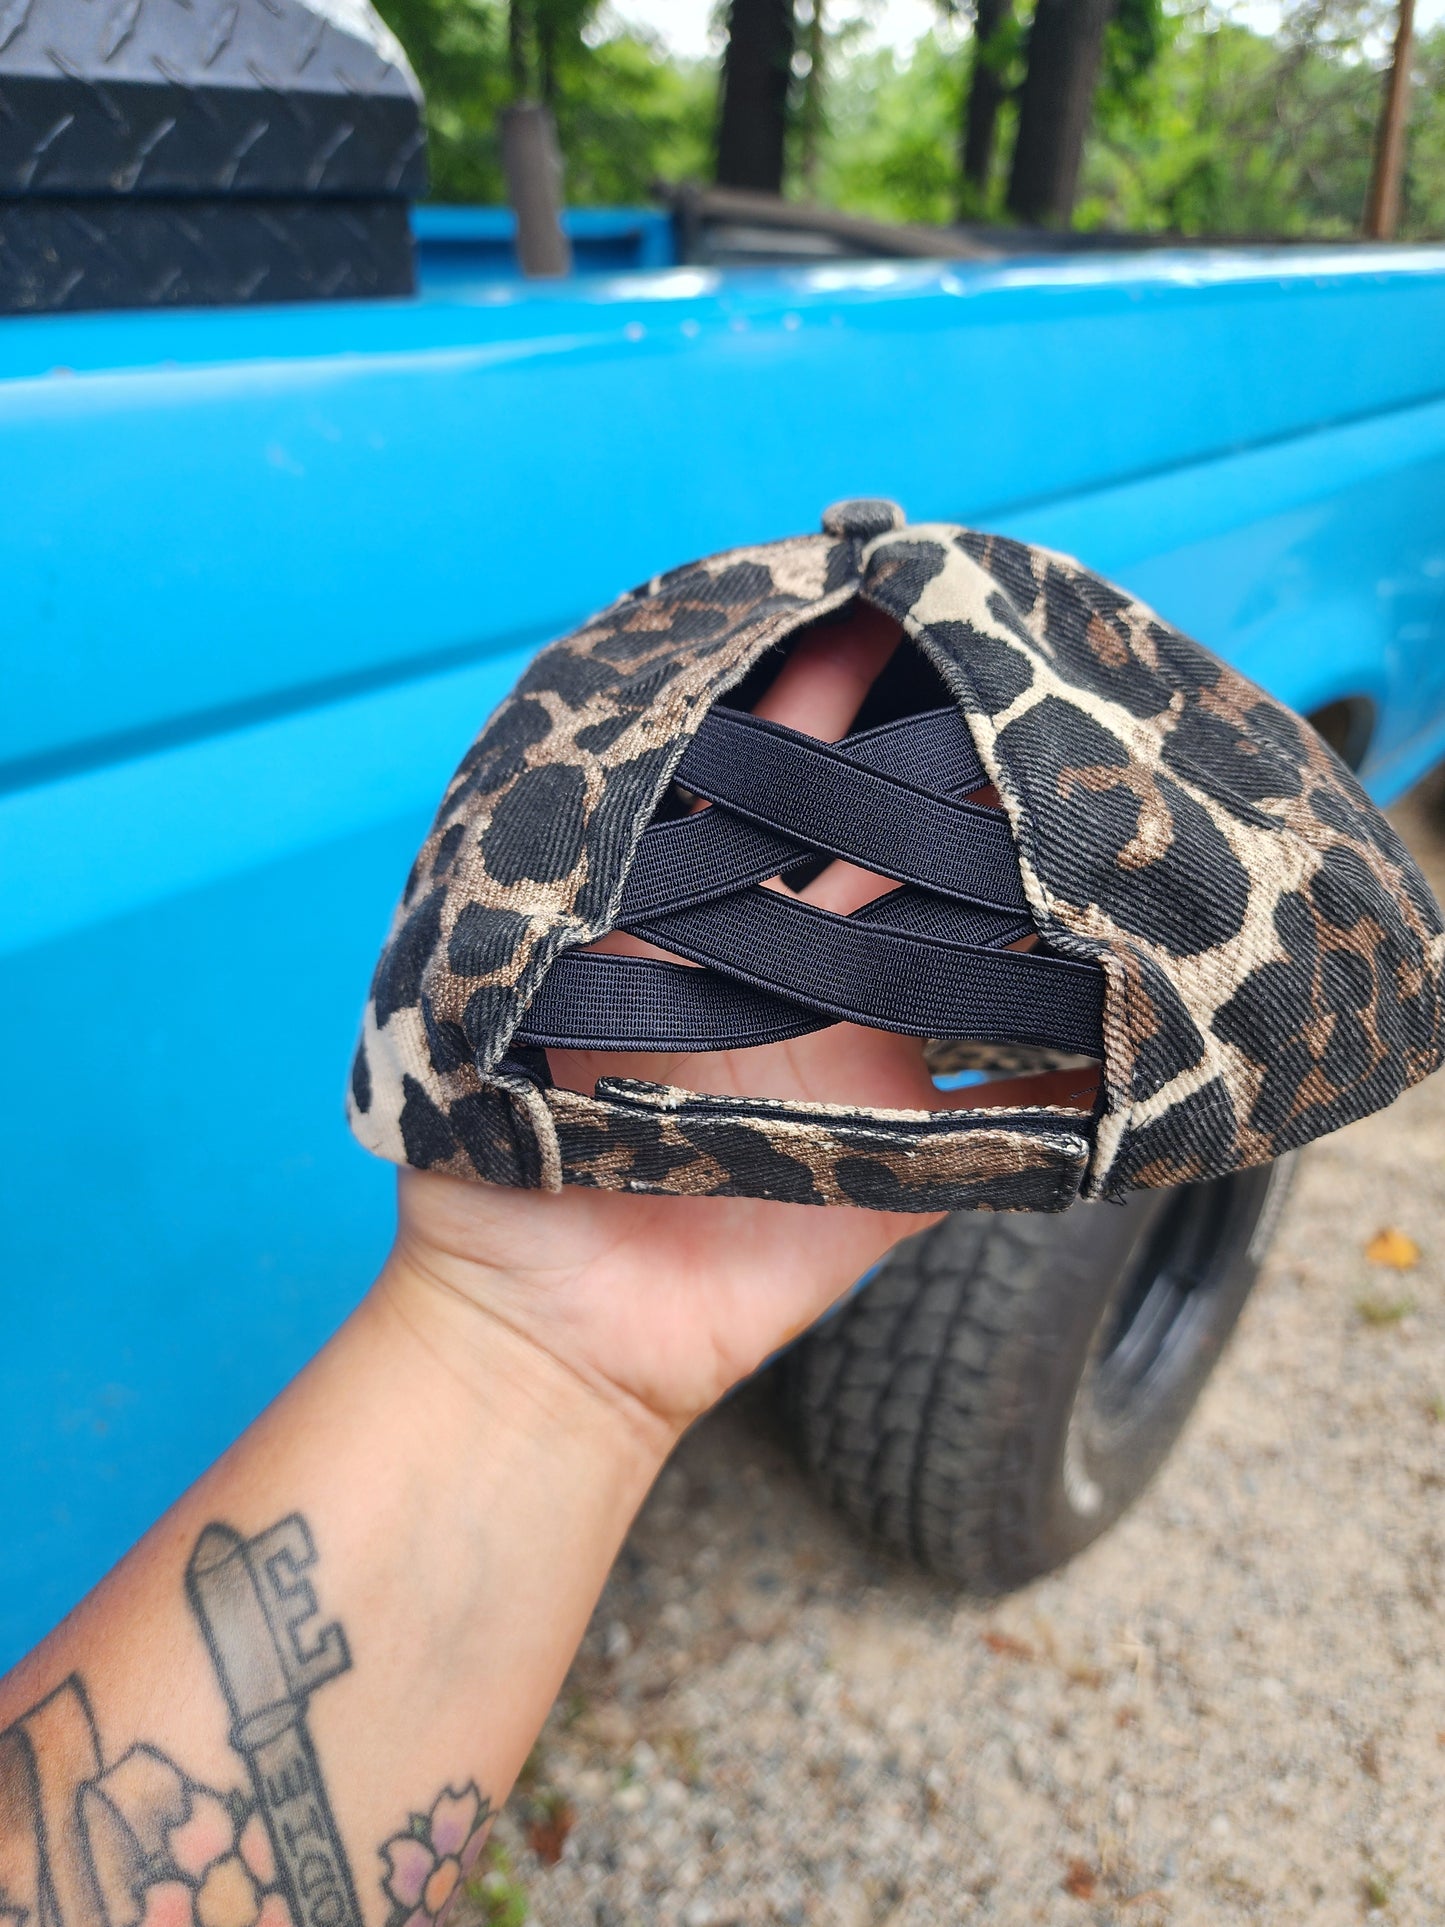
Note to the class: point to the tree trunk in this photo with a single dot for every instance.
(1382, 211)
(986, 93)
(1065, 44)
(546, 36)
(812, 108)
(517, 48)
(533, 165)
(757, 71)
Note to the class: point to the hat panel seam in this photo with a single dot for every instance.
(955, 673)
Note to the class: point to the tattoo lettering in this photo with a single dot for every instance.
(136, 1842)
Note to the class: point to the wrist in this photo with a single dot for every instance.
(517, 1382)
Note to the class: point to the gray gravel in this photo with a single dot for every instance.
(1231, 1710)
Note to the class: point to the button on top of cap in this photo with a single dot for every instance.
(864, 518)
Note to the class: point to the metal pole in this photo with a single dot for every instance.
(1382, 210)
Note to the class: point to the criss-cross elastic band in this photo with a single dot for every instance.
(930, 959)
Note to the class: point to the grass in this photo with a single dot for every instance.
(1380, 1312)
(1377, 1887)
(496, 1897)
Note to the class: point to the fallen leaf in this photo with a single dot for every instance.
(1393, 1249)
(1080, 1879)
(1007, 1645)
(547, 1832)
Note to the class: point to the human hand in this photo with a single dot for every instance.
(663, 1303)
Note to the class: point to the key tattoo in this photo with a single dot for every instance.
(89, 1841)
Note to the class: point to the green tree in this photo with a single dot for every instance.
(626, 113)
(994, 62)
(1235, 133)
(459, 51)
(1424, 195)
(892, 133)
(1201, 126)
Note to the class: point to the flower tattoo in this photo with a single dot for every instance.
(426, 1864)
(219, 1872)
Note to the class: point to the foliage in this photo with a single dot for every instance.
(1424, 194)
(626, 117)
(1240, 134)
(625, 112)
(1133, 42)
(891, 147)
(1004, 52)
(493, 1895)
(459, 51)
(1201, 126)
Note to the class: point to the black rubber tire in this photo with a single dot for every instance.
(1006, 1385)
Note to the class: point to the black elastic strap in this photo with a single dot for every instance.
(926, 959)
(817, 794)
(829, 964)
(869, 974)
(693, 859)
(918, 913)
(933, 751)
(591, 1001)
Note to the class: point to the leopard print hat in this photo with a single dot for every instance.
(1224, 919)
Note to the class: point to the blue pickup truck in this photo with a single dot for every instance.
(268, 567)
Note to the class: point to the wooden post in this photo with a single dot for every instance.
(534, 187)
(1382, 210)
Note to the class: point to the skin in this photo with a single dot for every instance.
(470, 1448)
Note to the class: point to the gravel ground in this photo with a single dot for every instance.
(1230, 1710)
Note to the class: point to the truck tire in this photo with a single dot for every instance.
(1004, 1386)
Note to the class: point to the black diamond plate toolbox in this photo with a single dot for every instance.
(205, 97)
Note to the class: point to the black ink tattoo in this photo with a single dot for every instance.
(133, 1843)
(137, 1843)
(254, 1607)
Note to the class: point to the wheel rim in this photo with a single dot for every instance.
(1159, 1319)
(1179, 1262)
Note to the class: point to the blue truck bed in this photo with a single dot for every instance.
(267, 570)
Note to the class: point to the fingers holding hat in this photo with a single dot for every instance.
(828, 673)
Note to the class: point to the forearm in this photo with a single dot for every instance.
(462, 1496)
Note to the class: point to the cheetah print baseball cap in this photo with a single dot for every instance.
(1219, 917)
